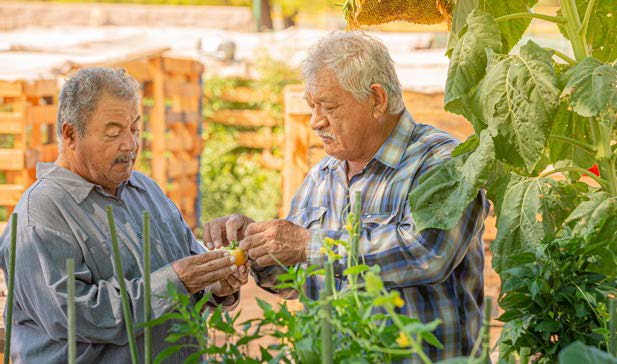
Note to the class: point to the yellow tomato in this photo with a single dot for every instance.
(239, 254)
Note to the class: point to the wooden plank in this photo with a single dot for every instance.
(182, 88)
(294, 102)
(48, 152)
(240, 94)
(11, 89)
(10, 194)
(11, 123)
(243, 118)
(41, 88)
(11, 159)
(138, 69)
(157, 123)
(295, 162)
(259, 139)
(182, 66)
(2, 226)
(42, 114)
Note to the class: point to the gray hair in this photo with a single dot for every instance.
(81, 93)
(358, 61)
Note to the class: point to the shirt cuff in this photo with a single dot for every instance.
(158, 284)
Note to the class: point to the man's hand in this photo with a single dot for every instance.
(220, 232)
(199, 271)
(233, 283)
(267, 242)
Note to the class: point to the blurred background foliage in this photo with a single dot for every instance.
(233, 178)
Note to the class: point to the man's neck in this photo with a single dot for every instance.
(64, 162)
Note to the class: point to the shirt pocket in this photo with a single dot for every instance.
(100, 259)
(309, 217)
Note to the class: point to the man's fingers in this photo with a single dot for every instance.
(257, 227)
(226, 261)
(252, 241)
(209, 256)
(207, 238)
(217, 275)
(258, 252)
(233, 226)
(265, 261)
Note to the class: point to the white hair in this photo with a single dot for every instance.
(358, 61)
(81, 93)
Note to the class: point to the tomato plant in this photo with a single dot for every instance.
(236, 252)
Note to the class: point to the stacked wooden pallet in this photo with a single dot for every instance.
(256, 127)
(27, 136)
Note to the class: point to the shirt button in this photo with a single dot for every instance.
(120, 203)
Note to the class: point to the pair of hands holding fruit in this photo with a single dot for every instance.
(224, 271)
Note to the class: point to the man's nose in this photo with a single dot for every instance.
(129, 142)
(318, 120)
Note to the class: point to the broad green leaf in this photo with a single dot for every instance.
(602, 31)
(578, 353)
(439, 201)
(511, 30)
(462, 9)
(531, 210)
(468, 60)
(468, 146)
(570, 124)
(592, 88)
(596, 218)
(520, 97)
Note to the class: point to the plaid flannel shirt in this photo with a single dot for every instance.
(439, 273)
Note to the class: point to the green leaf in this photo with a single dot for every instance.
(468, 60)
(570, 124)
(602, 30)
(592, 88)
(468, 146)
(439, 201)
(169, 351)
(578, 353)
(531, 210)
(511, 30)
(596, 218)
(520, 96)
(357, 269)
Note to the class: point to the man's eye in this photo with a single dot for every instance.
(113, 135)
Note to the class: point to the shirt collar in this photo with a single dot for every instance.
(78, 187)
(392, 150)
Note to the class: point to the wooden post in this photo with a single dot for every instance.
(157, 123)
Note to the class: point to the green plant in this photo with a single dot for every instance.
(536, 112)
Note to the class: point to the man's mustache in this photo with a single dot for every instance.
(326, 134)
(125, 158)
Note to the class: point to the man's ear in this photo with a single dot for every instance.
(69, 136)
(380, 100)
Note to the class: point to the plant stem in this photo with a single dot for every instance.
(70, 311)
(326, 328)
(126, 310)
(11, 288)
(601, 181)
(562, 56)
(524, 355)
(414, 344)
(552, 19)
(613, 327)
(602, 138)
(590, 7)
(486, 337)
(572, 26)
(588, 148)
(147, 290)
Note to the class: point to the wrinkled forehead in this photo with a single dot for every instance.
(323, 84)
(120, 110)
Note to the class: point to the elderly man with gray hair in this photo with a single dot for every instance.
(377, 148)
(62, 215)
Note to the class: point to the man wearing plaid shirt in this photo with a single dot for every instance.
(377, 148)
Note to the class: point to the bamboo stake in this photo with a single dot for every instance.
(128, 320)
(326, 327)
(147, 291)
(70, 311)
(11, 288)
(613, 327)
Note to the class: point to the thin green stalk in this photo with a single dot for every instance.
(613, 327)
(147, 290)
(126, 310)
(355, 243)
(562, 56)
(572, 26)
(587, 148)
(590, 7)
(414, 344)
(326, 310)
(11, 288)
(486, 358)
(602, 138)
(600, 180)
(70, 311)
(549, 18)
